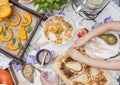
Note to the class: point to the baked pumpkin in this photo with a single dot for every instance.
(17, 22)
(5, 9)
(28, 19)
(7, 22)
(1, 29)
(22, 33)
(5, 78)
(13, 47)
(3, 38)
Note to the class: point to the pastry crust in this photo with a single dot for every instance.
(72, 77)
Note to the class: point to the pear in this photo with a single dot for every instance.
(110, 39)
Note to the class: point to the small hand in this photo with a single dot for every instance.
(44, 79)
(80, 42)
(75, 54)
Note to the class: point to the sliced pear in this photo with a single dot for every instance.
(81, 78)
(74, 66)
(94, 71)
(28, 19)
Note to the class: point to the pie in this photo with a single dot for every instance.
(74, 73)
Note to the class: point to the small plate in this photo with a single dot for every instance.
(59, 29)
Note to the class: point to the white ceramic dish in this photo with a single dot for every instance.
(100, 49)
(63, 35)
(26, 1)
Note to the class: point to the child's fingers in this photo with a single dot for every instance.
(57, 78)
(44, 76)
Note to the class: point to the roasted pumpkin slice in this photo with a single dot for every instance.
(19, 40)
(28, 19)
(5, 9)
(1, 29)
(17, 22)
(13, 47)
(22, 33)
(7, 22)
(3, 37)
(0, 19)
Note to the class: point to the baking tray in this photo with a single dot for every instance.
(36, 20)
(12, 72)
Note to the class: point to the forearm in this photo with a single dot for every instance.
(111, 26)
(100, 63)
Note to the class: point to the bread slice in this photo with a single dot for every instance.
(28, 72)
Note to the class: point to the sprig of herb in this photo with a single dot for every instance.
(29, 29)
(49, 4)
(20, 46)
(58, 31)
(4, 33)
(13, 41)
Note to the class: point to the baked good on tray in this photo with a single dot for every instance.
(16, 31)
(73, 72)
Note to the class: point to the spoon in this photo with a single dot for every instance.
(44, 57)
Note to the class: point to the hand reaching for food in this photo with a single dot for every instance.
(81, 41)
(44, 79)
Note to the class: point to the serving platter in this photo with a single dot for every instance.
(100, 49)
(36, 19)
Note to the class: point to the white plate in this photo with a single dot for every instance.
(100, 49)
(67, 20)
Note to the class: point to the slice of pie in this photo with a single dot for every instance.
(28, 72)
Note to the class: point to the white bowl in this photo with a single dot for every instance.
(66, 19)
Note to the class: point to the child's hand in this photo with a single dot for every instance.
(44, 79)
(75, 54)
(80, 42)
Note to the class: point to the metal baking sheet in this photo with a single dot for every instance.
(36, 19)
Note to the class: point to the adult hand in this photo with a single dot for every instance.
(76, 55)
(44, 79)
(81, 41)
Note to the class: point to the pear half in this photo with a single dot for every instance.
(81, 78)
(74, 66)
(94, 71)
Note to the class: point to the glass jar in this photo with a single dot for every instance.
(93, 6)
